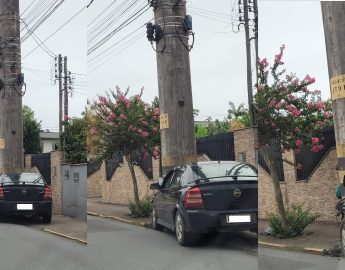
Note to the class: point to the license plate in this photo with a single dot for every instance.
(238, 218)
(24, 206)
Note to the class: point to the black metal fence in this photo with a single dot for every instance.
(42, 162)
(111, 164)
(217, 147)
(93, 166)
(275, 153)
(310, 160)
(145, 163)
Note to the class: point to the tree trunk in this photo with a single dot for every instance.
(270, 161)
(134, 179)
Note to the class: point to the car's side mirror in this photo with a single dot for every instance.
(155, 186)
(344, 181)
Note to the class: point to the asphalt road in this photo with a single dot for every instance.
(114, 245)
(270, 259)
(24, 247)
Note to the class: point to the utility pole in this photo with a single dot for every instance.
(334, 28)
(11, 82)
(65, 88)
(256, 34)
(60, 98)
(249, 63)
(171, 33)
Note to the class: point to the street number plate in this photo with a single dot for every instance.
(24, 207)
(238, 218)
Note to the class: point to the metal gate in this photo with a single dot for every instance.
(217, 147)
(74, 190)
(42, 162)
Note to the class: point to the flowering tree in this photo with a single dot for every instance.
(288, 111)
(128, 125)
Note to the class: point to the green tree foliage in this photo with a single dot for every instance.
(31, 131)
(217, 127)
(200, 131)
(74, 137)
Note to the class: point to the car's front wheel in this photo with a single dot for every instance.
(155, 225)
(183, 237)
(342, 236)
(47, 218)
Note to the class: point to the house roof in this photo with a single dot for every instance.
(49, 135)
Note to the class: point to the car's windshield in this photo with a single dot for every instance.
(223, 171)
(21, 179)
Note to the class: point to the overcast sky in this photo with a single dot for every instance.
(70, 41)
(218, 60)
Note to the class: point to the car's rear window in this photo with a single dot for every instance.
(224, 171)
(21, 179)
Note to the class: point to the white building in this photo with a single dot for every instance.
(49, 141)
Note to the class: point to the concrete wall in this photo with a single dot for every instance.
(94, 182)
(317, 193)
(73, 190)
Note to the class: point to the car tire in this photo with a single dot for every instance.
(183, 237)
(342, 236)
(47, 218)
(155, 225)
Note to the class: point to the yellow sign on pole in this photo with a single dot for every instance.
(338, 87)
(2, 144)
(164, 121)
(340, 150)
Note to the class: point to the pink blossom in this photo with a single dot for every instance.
(93, 131)
(278, 56)
(320, 123)
(144, 123)
(128, 104)
(310, 105)
(316, 148)
(296, 113)
(156, 148)
(315, 140)
(155, 153)
(273, 124)
(304, 89)
(291, 97)
(279, 105)
(298, 143)
(295, 82)
(154, 129)
(102, 100)
(282, 47)
(153, 118)
(122, 116)
(122, 98)
(156, 112)
(137, 97)
(145, 134)
(264, 62)
(130, 128)
(320, 105)
(140, 131)
(281, 63)
(289, 107)
(147, 113)
(327, 115)
(309, 79)
(272, 103)
(297, 151)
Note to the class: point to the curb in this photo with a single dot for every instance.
(65, 236)
(317, 251)
(142, 224)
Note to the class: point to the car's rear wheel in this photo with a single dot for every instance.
(184, 238)
(342, 236)
(155, 225)
(47, 218)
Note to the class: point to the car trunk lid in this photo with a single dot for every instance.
(23, 193)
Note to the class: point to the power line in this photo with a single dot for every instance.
(74, 16)
(101, 13)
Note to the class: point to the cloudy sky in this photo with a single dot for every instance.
(38, 67)
(218, 63)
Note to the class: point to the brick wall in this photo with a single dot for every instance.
(56, 160)
(246, 145)
(119, 189)
(317, 193)
(94, 182)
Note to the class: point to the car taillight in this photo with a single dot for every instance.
(2, 193)
(193, 198)
(47, 194)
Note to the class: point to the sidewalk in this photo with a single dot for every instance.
(95, 207)
(316, 238)
(67, 227)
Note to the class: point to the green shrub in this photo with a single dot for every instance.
(297, 220)
(144, 209)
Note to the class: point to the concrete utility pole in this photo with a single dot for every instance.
(65, 87)
(174, 83)
(249, 63)
(11, 81)
(334, 27)
(60, 98)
